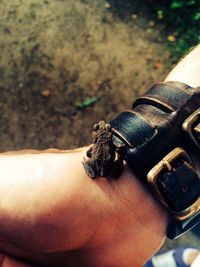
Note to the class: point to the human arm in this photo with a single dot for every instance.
(109, 222)
(59, 208)
(187, 70)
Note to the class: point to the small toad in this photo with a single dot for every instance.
(102, 157)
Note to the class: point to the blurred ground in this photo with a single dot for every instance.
(54, 55)
(67, 64)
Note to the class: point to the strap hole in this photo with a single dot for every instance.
(184, 188)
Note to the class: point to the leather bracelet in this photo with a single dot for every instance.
(156, 138)
(158, 133)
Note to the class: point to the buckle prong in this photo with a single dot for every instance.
(191, 211)
(197, 129)
(192, 125)
(167, 165)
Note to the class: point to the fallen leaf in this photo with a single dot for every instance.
(158, 65)
(171, 38)
(45, 93)
(151, 23)
(107, 5)
(134, 16)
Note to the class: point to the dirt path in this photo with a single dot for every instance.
(67, 64)
(54, 55)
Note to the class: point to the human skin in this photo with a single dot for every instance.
(51, 209)
(53, 214)
(188, 69)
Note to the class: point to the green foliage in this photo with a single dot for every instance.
(87, 102)
(182, 23)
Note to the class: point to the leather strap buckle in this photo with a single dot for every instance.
(166, 165)
(191, 127)
(189, 212)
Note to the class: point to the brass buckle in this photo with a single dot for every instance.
(166, 164)
(191, 125)
(189, 212)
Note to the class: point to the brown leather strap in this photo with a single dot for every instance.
(154, 129)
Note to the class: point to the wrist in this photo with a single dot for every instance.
(131, 217)
(187, 70)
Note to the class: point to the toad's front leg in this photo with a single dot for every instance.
(89, 168)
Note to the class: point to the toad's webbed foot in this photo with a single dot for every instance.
(91, 172)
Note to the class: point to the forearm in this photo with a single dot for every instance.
(187, 70)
